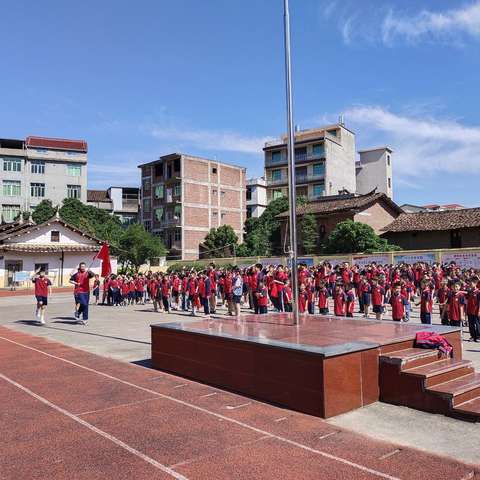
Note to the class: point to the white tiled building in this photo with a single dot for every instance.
(54, 246)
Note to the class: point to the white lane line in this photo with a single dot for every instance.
(91, 427)
(234, 407)
(281, 419)
(181, 386)
(327, 435)
(106, 409)
(217, 415)
(390, 454)
(208, 395)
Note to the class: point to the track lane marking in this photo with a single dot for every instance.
(217, 415)
(115, 440)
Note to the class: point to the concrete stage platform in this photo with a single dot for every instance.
(324, 366)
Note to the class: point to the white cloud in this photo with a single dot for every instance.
(422, 145)
(213, 140)
(433, 25)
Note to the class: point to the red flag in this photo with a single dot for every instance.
(104, 256)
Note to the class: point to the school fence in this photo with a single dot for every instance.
(463, 257)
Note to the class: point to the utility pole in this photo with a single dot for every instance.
(292, 194)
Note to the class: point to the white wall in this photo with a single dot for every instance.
(375, 172)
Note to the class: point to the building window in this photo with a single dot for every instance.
(332, 132)
(389, 182)
(388, 160)
(215, 214)
(12, 164)
(319, 169)
(318, 150)
(249, 211)
(159, 214)
(277, 193)
(177, 189)
(276, 175)
(10, 212)
(74, 170)
(318, 190)
(54, 236)
(159, 191)
(176, 165)
(146, 186)
(37, 167)
(146, 205)
(12, 188)
(73, 191)
(276, 156)
(177, 212)
(159, 170)
(41, 267)
(214, 170)
(249, 193)
(178, 235)
(147, 225)
(37, 189)
(300, 154)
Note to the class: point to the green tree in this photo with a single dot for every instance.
(92, 220)
(220, 242)
(309, 229)
(262, 235)
(136, 246)
(355, 237)
(44, 211)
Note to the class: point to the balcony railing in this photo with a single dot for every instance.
(298, 179)
(299, 158)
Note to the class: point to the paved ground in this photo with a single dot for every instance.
(124, 334)
(70, 414)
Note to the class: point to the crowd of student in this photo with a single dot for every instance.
(369, 288)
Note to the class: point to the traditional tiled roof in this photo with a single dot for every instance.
(97, 196)
(10, 235)
(57, 143)
(345, 203)
(441, 220)
(35, 248)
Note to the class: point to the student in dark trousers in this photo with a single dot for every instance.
(81, 280)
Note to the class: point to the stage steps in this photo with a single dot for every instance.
(422, 379)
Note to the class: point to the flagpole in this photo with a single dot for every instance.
(292, 195)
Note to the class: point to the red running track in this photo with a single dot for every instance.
(69, 414)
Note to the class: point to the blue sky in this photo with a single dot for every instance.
(141, 79)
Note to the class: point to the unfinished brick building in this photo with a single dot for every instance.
(184, 196)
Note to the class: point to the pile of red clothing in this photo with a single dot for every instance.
(433, 340)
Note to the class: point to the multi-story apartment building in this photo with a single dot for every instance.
(39, 168)
(256, 196)
(374, 171)
(324, 163)
(124, 202)
(183, 197)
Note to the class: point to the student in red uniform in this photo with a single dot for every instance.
(350, 300)
(287, 296)
(398, 303)
(140, 289)
(261, 295)
(426, 303)
(43, 288)
(176, 289)
(192, 289)
(339, 301)
(302, 298)
(322, 298)
(81, 280)
(378, 297)
(165, 291)
(442, 297)
(472, 310)
(455, 303)
(96, 288)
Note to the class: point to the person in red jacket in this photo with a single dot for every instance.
(472, 310)
(287, 296)
(302, 298)
(339, 300)
(350, 300)
(323, 298)
(456, 303)
(192, 289)
(262, 298)
(43, 288)
(398, 303)
(442, 297)
(378, 297)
